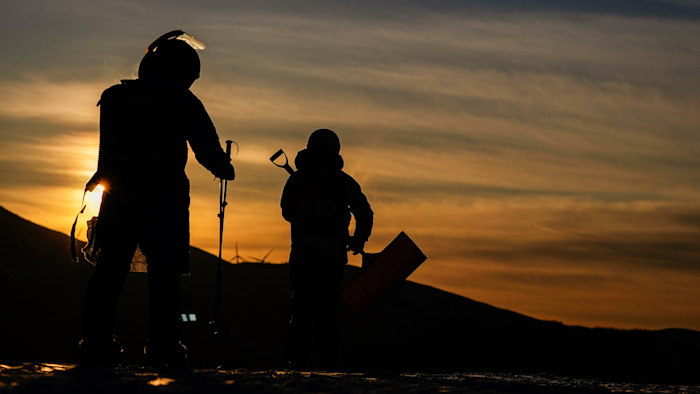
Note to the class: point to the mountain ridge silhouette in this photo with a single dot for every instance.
(417, 328)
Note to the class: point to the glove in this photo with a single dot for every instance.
(228, 173)
(356, 245)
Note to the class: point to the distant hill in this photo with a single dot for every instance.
(416, 329)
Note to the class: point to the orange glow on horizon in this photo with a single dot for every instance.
(539, 168)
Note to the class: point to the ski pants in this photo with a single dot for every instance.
(162, 233)
(316, 281)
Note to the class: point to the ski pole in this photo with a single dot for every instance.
(223, 186)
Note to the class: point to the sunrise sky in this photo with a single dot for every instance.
(545, 155)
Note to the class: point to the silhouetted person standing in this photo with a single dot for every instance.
(145, 125)
(318, 201)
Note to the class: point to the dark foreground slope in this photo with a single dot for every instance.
(39, 378)
(417, 329)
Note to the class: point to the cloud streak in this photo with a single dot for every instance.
(543, 154)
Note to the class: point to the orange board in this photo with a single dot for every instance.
(381, 273)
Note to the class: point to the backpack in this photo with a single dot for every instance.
(133, 131)
(319, 206)
(132, 126)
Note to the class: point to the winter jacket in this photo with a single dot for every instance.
(318, 201)
(145, 126)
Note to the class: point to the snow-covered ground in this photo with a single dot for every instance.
(64, 378)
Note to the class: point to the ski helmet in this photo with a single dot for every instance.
(172, 56)
(324, 139)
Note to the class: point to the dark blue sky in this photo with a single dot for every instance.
(630, 8)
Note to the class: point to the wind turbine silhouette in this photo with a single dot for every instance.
(238, 257)
(263, 259)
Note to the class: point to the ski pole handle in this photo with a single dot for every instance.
(228, 148)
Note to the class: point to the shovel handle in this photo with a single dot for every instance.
(276, 155)
(286, 165)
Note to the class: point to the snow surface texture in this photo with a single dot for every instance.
(66, 378)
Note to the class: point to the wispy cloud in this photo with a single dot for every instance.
(64, 102)
(543, 154)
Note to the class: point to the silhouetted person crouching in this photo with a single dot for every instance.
(318, 201)
(145, 125)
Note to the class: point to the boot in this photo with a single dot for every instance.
(172, 354)
(327, 341)
(298, 341)
(100, 352)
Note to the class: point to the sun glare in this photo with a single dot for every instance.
(93, 198)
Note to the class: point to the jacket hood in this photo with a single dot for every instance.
(309, 157)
